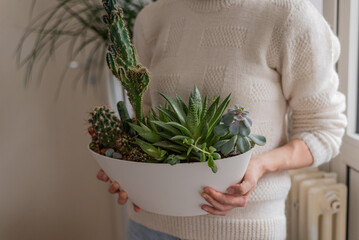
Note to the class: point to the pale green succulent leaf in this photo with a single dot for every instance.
(243, 129)
(229, 146)
(220, 130)
(247, 121)
(219, 144)
(234, 128)
(227, 118)
(243, 144)
(258, 139)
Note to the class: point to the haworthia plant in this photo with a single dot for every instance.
(180, 132)
(121, 57)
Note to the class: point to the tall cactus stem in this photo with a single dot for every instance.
(121, 58)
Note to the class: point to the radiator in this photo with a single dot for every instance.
(316, 206)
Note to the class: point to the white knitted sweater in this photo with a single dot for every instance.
(271, 55)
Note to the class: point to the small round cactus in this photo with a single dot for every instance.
(124, 143)
(106, 126)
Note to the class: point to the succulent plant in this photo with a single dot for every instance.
(234, 132)
(121, 57)
(106, 126)
(124, 143)
(180, 132)
(137, 155)
(111, 136)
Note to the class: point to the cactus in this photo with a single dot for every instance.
(106, 126)
(121, 57)
(108, 132)
(124, 143)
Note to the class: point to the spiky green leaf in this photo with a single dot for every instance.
(154, 152)
(180, 127)
(175, 106)
(167, 128)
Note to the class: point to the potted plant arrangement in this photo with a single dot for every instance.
(164, 159)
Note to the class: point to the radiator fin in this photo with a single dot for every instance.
(316, 206)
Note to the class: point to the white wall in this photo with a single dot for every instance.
(48, 188)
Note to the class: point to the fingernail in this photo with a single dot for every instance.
(204, 195)
(206, 190)
(230, 191)
(205, 208)
(123, 195)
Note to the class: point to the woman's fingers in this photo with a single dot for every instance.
(214, 211)
(101, 175)
(136, 208)
(216, 204)
(114, 187)
(226, 199)
(122, 197)
(241, 189)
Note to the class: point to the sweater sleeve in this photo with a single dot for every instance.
(144, 55)
(310, 83)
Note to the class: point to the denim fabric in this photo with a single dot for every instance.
(137, 231)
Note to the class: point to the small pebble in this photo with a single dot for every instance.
(117, 155)
(109, 152)
(103, 151)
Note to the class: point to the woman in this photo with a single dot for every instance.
(271, 55)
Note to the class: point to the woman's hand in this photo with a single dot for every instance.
(238, 194)
(115, 188)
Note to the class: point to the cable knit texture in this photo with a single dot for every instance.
(272, 55)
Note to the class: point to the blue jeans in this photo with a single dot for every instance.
(137, 231)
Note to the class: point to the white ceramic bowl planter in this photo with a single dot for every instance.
(173, 190)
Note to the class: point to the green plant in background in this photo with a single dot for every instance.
(77, 24)
(121, 57)
(181, 132)
(235, 132)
